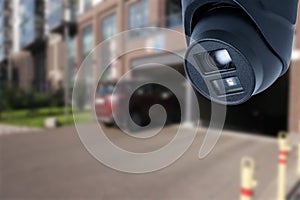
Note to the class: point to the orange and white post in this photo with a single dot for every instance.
(284, 149)
(298, 168)
(248, 181)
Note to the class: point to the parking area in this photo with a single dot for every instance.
(54, 164)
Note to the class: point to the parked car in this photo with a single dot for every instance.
(142, 99)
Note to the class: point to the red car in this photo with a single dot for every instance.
(140, 102)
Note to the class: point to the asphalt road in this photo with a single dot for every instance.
(54, 164)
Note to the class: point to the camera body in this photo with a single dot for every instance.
(237, 48)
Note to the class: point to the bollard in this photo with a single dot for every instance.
(298, 171)
(247, 178)
(284, 149)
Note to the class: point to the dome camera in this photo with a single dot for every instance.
(237, 48)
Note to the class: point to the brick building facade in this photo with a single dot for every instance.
(158, 15)
(42, 62)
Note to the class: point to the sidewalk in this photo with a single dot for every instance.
(266, 163)
(11, 129)
(55, 165)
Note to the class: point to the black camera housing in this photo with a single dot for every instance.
(237, 48)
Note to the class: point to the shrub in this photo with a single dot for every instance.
(15, 98)
(57, 97)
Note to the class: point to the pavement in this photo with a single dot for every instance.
(53, 164)
(11, 129)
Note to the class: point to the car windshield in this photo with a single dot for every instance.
(106, 89)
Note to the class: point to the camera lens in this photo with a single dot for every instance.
(214, 61)
(220, 58)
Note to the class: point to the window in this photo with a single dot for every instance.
(71, 60)
(109, 26)
(74, 9)
(72, 49)
(88, 4)
(106, 89)
(87, 40)
(55, 11)
(2, 31)
(139, 14)
(174, 16)
(27, 28)
(2, 5)
(2, 48)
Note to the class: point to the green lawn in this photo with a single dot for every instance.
(36, 118)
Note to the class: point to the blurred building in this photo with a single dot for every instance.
(99, 20)
(43, 42)
(33, 48)
(278, 108)
(26, 36)
(5, 37)
(61, 51)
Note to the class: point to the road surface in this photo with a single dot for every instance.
(54, 164)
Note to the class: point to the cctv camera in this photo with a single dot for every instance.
(237, 48)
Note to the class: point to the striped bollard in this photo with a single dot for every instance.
(284, 149)
(247, 178)
(298, 169)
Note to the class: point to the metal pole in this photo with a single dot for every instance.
(66, 96)
(66, 36)
(298, 169)
(9, 70)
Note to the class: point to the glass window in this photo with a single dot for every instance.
(174, 16)
(1, 8)
(27, 16)
(2, 18)
(2, 41)
(71, 60)
(106, 89)
(72, 48)
(2, 31)
(74, 9)
(87, 40)
(109, 26)
(88, 4)
(2, 50)
(105, 61)
(55, 13)
(139, 14)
